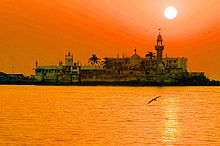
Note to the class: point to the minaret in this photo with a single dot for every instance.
(159, 48)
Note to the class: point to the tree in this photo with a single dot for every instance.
(94, 60)
(152, 62)
(151, 55)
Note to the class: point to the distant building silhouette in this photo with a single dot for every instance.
(152, 67)
(151, 64)
(64, 73)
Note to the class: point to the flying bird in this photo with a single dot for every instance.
(154, 99)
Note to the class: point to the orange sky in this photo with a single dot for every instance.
(45, 30)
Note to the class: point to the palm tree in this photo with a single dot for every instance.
(151, 55)
(94, 60)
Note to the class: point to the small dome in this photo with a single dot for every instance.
(135, 59)
(135, 56)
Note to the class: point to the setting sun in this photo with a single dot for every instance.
(109, 72)
(170, 12)
(107, 28)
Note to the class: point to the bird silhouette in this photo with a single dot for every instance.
(154, 99)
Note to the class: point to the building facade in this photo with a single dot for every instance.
(150, 67)
(151, 64)
(65, 73)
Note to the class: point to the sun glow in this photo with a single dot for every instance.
(170, 12)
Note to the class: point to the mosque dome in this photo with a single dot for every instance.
(135, 56)
(135, 59)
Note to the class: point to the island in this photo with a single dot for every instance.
(151, 70)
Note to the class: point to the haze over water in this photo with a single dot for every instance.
(71, 115)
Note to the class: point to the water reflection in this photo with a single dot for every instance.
(170, 126)
(69, 115)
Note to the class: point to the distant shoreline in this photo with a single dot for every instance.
(104, 83)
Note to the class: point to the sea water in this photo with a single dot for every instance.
(99, 115)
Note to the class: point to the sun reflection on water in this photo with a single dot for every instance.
(170, 125)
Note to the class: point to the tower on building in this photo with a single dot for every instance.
(159, 48)
(69, 59)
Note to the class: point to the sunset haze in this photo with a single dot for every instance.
(46, 30)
